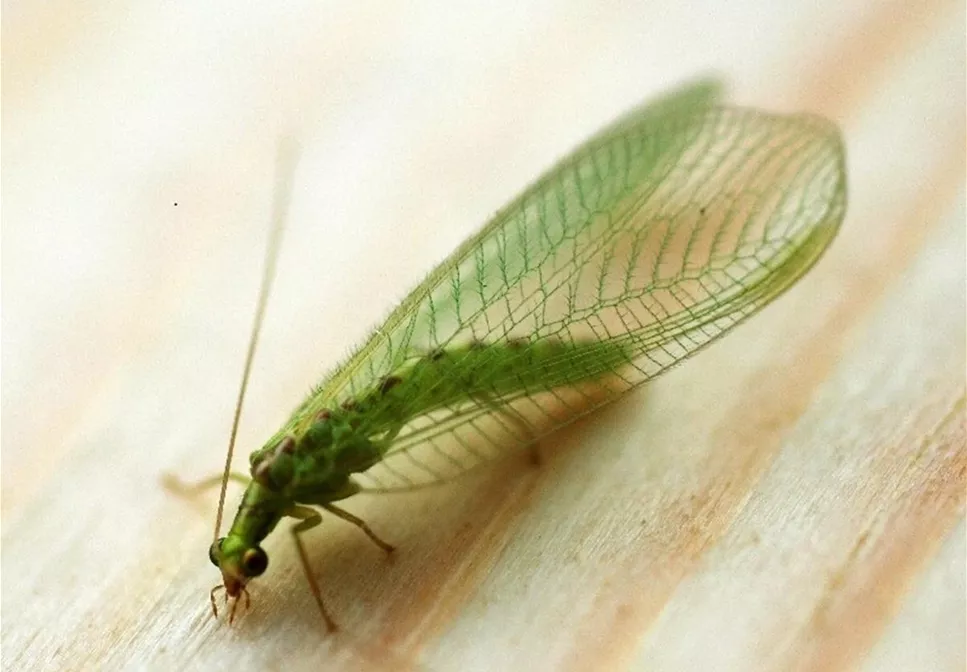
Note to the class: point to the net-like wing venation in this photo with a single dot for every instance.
(661, 233)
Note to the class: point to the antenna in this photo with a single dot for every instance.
(286, 158)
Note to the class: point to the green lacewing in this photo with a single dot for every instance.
(649, 241)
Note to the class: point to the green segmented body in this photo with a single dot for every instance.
(651, 240)
(319, 450)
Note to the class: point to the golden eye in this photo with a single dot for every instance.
(254, 561)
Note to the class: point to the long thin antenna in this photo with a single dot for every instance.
(285, 161)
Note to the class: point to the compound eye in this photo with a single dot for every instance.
(215, 551)
(254, 561)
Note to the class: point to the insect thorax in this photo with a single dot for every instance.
(316, 465)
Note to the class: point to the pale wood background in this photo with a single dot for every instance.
(791, 499)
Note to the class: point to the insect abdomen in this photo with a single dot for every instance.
(488, 372)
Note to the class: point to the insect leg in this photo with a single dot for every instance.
(178, 486)
(360, 523)
(308, 520)
(518, 419)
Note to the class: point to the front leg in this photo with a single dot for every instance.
(174, 484)
(308, 520)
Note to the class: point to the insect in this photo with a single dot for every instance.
(652, 239)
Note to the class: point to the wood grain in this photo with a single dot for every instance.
(791, 499)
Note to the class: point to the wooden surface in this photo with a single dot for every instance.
(791, 499)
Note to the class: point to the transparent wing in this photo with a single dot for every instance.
(662, 232)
